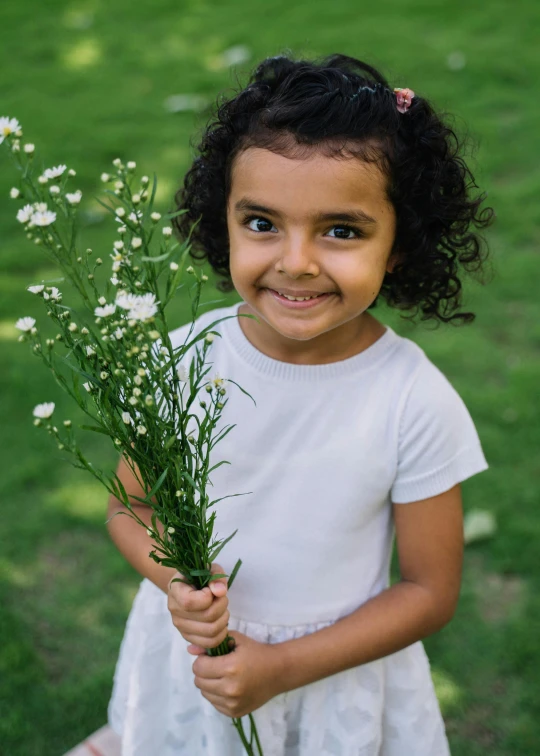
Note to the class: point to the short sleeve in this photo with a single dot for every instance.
(438, 443)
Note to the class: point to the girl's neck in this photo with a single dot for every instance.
(332, 346)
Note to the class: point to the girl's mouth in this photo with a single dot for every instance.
(298, 305)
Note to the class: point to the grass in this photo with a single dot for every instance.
(88, 80)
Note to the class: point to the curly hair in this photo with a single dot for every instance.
(343, 106)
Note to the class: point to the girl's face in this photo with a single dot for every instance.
(279, 242)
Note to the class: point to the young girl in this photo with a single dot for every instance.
(318, 180)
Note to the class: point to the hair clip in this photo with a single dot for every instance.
(404, 98)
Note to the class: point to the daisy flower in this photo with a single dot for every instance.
(105, 311)
(37, 289)
(25, 324)
(8, 126)
(43, 218)
(56, 172)
(25, 213)
(44, 410)
(74, 198)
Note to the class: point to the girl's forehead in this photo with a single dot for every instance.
(321, 180)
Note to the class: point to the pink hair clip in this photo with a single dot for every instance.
(404, 98)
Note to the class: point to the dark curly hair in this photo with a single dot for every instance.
(344, 106)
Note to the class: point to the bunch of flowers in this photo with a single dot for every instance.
(122, 369)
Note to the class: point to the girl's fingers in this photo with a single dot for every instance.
(195, 650)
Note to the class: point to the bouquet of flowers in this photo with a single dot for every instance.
(121, 367)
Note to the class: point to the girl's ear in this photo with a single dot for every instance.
(393, 260)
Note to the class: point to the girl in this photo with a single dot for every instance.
(319, 188)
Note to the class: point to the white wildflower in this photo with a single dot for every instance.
(133, 217)
(166, 230)
(42, 179)
(171, 530)
(88, 386)
(144, 308)
(209, 338)
(44, 410)
(182, 373)
(115, 281)
(29, 148)
(173, 266)
(141, 430)
(25, 324)
(122, 229)
(116, 266)
(71, 172)
(133, 400)
(136, 242)
(14, 193)
(120, 212)
(117, 162)
(8, 126)
(149, 531)
(103, 375)
(56, 172)
(118, 245)
(54, 294)
(25, 213)
(125, 300)
(126, 417)
(102, 301)
(40, 207)
(136, 198)
(73, 327)
(105, 311)
(43, 218)
(35, 289)
(74, 198)
(155, 217)
(131, 165)
(90, 351)
(118, 334)
(145, 180)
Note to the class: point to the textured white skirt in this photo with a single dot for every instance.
(387, 707)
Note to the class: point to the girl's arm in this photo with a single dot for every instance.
(130, 537)
(429, 536)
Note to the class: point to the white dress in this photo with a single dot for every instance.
(321, 458)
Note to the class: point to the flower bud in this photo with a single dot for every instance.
(105, 177)
(131, 165)
(155, 217)
(29, 149)
(14, 193)
(173, 266)
(166, 231)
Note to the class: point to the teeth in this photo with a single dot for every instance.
(298, 299)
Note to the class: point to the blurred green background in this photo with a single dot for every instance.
(90, 81)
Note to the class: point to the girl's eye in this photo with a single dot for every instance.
(356, 231)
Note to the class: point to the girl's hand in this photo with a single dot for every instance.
(201, 617)
(239, 682)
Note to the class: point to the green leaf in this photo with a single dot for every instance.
(95, 428)
(157, 485)
(157, 258)
(233, 573)
(216, 551)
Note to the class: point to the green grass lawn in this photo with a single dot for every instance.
(88, 82)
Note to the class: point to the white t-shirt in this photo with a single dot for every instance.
(320, 457)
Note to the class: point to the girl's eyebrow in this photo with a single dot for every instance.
(350, 216)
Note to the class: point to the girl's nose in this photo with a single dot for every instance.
(297, 259)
